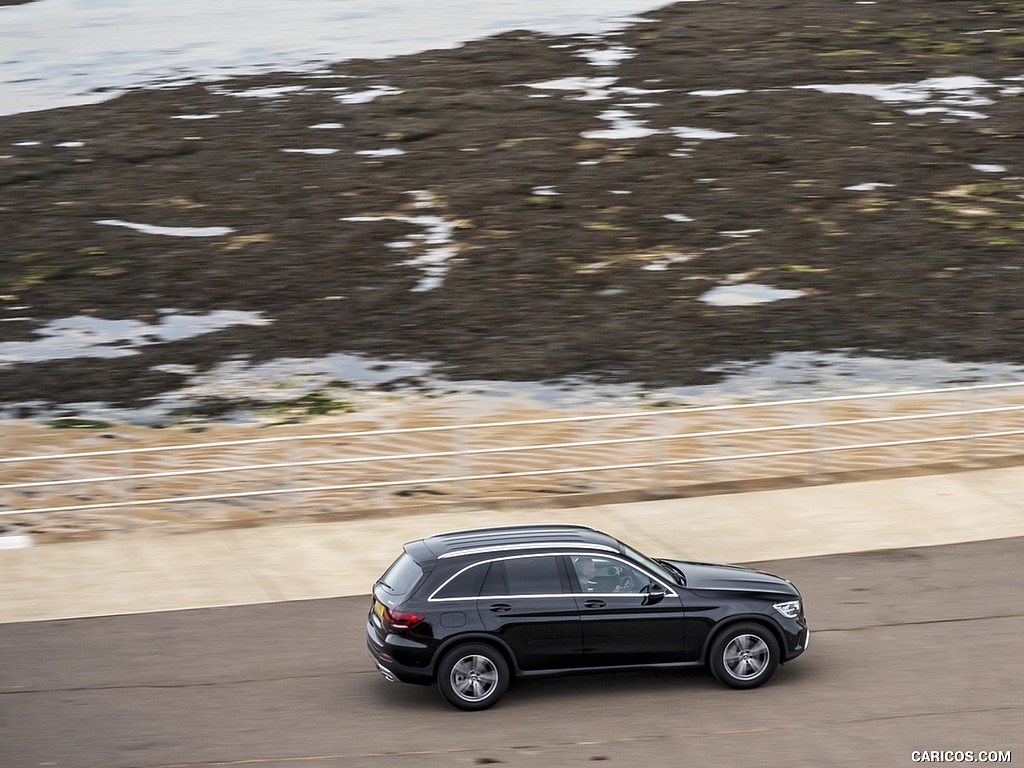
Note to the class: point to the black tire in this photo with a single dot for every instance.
(473, 676)
(744, 656)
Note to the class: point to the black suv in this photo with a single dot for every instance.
(470, 610)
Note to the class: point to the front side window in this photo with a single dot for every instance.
(607, 575)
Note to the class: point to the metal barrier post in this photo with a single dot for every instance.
(966, 457)
(124, 464)
(818, 441)
(657, 454)
(458, 465)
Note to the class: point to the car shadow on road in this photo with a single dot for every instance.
(612, 684)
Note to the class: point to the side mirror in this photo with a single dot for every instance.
(653, 594)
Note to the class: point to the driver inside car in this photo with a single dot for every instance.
(618, 578)
(585, 570)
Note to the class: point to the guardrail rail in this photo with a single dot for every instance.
(654, 450)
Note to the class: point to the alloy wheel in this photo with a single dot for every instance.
(746, 657)
(474, 677)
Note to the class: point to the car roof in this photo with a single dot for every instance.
(511, 537)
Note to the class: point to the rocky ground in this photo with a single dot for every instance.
(542, 235)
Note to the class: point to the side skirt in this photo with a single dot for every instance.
(598, 670)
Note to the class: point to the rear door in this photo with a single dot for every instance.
(527, 601)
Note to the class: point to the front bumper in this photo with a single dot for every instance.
(797, 635)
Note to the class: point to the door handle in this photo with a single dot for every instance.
(500, 608)
(595, 603)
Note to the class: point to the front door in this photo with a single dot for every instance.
(628, 616)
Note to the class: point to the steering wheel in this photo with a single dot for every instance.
(627, 584)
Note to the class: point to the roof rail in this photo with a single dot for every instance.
(510, 528)
(563, 545)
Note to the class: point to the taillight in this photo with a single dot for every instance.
(401, 619)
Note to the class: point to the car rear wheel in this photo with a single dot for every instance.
(745, 656)
(473, 676)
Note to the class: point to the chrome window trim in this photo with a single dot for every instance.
(540, 545)
(434, 599)
(669, 591)
(498, 597)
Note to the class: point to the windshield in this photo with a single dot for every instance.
(652, 565)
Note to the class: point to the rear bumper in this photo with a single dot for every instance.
(386, 673)
(392, 669)
(393, 672)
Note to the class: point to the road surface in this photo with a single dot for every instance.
(912, 650)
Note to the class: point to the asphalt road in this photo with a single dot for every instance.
(912, 650)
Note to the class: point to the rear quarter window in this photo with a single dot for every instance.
(464, 584)
(402, 577)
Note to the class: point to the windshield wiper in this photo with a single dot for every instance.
(675, 570)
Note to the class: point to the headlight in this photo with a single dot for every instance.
(790, 609)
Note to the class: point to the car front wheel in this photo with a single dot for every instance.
(473, 677)
(745, 656)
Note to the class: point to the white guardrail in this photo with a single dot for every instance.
(654, 451)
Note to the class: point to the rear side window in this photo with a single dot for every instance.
(533, 576)
(403, 575)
